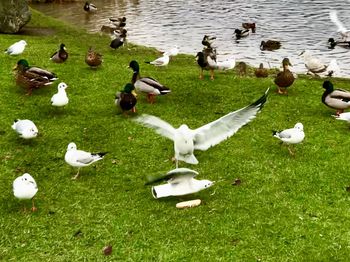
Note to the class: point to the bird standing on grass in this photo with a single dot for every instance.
(289, 136)
(60, 98)
(285, 78)
(25, 187)
(31, 77)
(17, 48)
(338, 99)
(25, 128)
(147, 85)
(61, 55)
(79, 158)
(161, 61)
(126, 99)
(180, 181)
(186, 140)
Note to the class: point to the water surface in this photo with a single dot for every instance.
(299, 25)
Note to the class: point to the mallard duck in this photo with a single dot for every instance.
(332, 43)
(248, 26)
(32, 77)
(119, 40)
(89, 7)
(242, 69)
(92, 58)
(261, 71)
(126, 99)
(118, 22)
(17, 48)
(147, 85)
(202, 61)
(61, 55)
(338, 99)
(285, 78)
(241, 33)
(270, 45)
(208, 40)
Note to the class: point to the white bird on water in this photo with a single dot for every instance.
(25, 187)
(293, 135)
(60, 98)
(186, 140)
(79, 158)
(25, 128)
(180, 181)
(17, 48)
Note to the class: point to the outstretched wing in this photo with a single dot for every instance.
(215, 132)
(174, 176)
(334, 18)
(159, 125)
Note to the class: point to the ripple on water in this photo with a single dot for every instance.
(299, 25)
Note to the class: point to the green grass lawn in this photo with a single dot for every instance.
(286, 208)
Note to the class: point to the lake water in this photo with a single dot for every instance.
(298, 24)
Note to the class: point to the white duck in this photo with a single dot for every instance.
(25, 187)
(316, 67)
(293, 135)
(161, 61)
(17, 48)
(60, 98)
(180, 181)
(79, 158)
(25, 128)
(227, 64)
(186, 140)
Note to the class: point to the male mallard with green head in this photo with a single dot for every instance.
(338, 99)
(93, 58)
(31, 77)
(285, 78)
(126, 99)
(147, 85)
(60, 56)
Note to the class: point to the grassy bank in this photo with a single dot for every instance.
(286, 208)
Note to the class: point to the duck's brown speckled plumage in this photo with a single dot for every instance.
(285, 78)
(93, 58)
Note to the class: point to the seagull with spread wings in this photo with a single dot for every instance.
(186, 140)
(345, 34)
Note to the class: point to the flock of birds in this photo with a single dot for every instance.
(180, 181)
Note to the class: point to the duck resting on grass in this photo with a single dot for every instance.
(316, 67)
(25, 187)
(180, 181)
(147, 85)
(338, 99)
(285, 78)
(187, 140)
(289, 136)
(261, 71)
(79, 158)
(31, 77)
(270, 45)
(61, 55)
(126, 99)
(93, 59)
